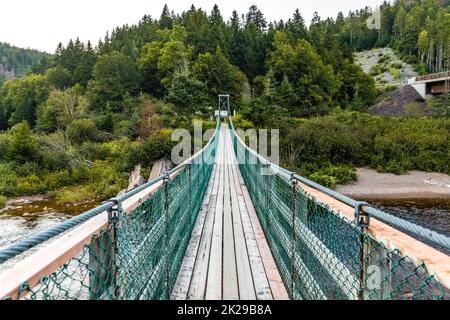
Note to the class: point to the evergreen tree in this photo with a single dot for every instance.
(166, 20)
(296, 26)
(114, 76)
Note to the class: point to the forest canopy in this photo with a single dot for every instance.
(83, 117)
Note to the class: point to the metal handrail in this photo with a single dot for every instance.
(433, 76)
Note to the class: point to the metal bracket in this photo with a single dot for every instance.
(265, 167)
(115, 211)
(362, 219)
(166, 178)
(294, 180)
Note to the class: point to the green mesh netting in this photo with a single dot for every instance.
(321, 255)
(140, 254)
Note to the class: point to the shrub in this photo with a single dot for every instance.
(105, 180)
(57, 179)
(325, 180)
(22, 145)
(8, 180)
(81, 130)
(156, 147)
(395, 73)
(396, 65)
(2, 201)
(30, 185)
(74, 194)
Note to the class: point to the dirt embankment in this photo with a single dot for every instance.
(403, 101)
(416, 184)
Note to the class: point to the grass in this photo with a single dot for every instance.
(74, 194)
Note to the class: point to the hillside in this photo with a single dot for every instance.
(385, 66)
(16, 61)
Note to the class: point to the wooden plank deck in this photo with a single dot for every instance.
(228, 256)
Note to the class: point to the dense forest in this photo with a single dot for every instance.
(80, 121)
(18, 62)
(417, 29)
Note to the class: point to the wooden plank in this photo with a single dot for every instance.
(230, 277)
(214, 282)
(261, 283)
(276, 283)
(197, 286)
(50, 257)
(246, 281)
(181, 289)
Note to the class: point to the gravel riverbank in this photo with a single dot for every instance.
(416, 184)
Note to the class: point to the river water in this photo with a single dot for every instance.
(19, 222)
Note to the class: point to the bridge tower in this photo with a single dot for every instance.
(224, 104)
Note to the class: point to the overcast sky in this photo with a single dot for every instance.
(42, 24)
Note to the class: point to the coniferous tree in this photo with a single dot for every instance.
(166, 19)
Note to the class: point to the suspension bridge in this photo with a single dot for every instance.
(228, 224)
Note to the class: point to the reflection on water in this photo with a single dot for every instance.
(433, 214)
(19, 222)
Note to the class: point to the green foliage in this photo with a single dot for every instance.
(395, 73)
(394, 145)
(323, 179)
(156, 147)
(93, 120)
(82, 130)
(60, 109)
(441, 106)
(314, 82)
(219, 76)
(20, 98)
(22, 145)
(240, 122)
(74, 194)
(188, 94)
(148, 67)
(2, 201)
(114, 76)
(357, 89)
(332, 175)
(59, 77)
(8, 182)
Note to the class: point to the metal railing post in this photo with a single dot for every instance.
(293, 236)
(190, 194)
(103, 254)
(166, 240)
(266, 168)
(375, 273)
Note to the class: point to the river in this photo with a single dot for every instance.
(19, 222)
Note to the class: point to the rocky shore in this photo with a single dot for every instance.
(415, 184)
